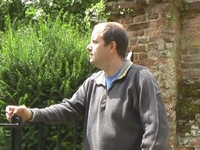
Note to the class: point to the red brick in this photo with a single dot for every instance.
(147, 63)
(194, 50)
(153, 38)
(193, 6)
(153, 32)
(154, 24)
(192, 28)
(191, 58)
(184, 51)
(140, 18)
(139, 48)
(133, 42)
(163, 60)
(167, 100)
(152, 46)
(142, 41)
(197, 142)
(185, 65)
(195, 65)
(185, 148)
(138, 33)
(143, 56)
(139, 26)
(126, 21)
(154, 1)
(153, 16)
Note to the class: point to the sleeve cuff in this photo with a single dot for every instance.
(33, 115)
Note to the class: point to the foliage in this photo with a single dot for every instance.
(4, 141)
(40, 65)
(188, 100)
(34, 10)
(96, 13)
(188, 107)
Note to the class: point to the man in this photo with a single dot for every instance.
(121, 104)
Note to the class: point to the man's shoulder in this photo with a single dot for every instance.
(139, 68)
(97, 74)
(140, 71)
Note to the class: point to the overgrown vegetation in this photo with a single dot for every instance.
(41, 63)
(188, 106)
(24, 11)
(43, 59)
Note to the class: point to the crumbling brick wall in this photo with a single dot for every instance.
(188, 106)
(165, 37)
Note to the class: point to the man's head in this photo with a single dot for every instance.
(108, 41)
(113, 31)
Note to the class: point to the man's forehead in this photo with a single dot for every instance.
(98, 31)
(100, 27)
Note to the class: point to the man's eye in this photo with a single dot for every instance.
(94, 41)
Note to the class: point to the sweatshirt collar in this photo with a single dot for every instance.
(99, 78)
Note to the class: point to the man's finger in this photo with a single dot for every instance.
(10, 108)
(8, 117)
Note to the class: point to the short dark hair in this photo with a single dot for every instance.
(115, 32)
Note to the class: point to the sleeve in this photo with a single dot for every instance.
(68, 110)
(152, 113)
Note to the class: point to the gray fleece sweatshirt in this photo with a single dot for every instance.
(130, 115)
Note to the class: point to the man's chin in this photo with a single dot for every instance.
(91, 60)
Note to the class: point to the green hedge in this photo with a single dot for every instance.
(26, 10)
(40, 65)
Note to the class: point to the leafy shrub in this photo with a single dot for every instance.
(4, 141)
(40, 65)
(26, 10)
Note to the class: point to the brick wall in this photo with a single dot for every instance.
(190, 47)
(188, 112)
(165, 37)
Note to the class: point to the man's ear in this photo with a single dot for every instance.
(113, 46)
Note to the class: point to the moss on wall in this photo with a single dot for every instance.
(188, 105)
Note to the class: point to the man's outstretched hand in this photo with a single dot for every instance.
(22, 111)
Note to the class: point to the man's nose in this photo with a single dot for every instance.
(89, 47)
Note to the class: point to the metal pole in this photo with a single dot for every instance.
(16, 133)
(75, 135)
(59, 137)
(41, 137)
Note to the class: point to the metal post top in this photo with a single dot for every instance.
(16, 121)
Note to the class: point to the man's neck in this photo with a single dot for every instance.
(113, 67)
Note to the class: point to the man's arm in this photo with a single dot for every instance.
(68, 110)
(153, 114)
